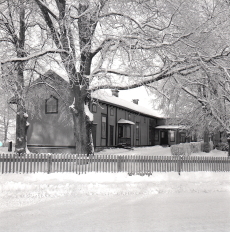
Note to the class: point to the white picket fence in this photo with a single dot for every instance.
(135, 164)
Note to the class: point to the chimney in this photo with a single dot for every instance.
(115, 92)
(135, 101)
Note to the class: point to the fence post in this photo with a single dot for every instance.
(49, 163)
(119, 160)
(180, 164)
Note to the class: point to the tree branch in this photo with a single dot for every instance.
(41, 4)
(30, 57)
(170, 71)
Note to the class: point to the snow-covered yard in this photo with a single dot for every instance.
(156, 151)
(144, 151)
(198, 201)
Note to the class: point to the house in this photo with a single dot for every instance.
(116, 122)
(173, 134)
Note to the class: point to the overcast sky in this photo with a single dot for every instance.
(137, 93)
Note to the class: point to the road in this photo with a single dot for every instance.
(203, 212)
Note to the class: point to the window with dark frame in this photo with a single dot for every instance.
(94, 108)
(103, 126)
(137, 130)
(51, 105)
(111, 111)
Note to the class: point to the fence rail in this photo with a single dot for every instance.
(142, 165)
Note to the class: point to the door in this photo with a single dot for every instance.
(164, 137)
(111, 129)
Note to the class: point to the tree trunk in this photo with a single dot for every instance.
(63, 38)
(6, 128)
(206, 140)
(21, 118)
(82, 121)
(21, 130)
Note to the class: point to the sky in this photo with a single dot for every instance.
(138, 93)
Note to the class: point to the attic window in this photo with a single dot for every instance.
(51, 105)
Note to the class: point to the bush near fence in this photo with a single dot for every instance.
(186, 149)
(223, 146)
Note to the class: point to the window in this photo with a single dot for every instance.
(51, 105)
(111, 111)
(137, 130)
(129, 116)
(103, 126)
(156, 138)
(94, 108)
(172, 136)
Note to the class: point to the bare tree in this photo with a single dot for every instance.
(7, 117)
(114, 44)
(126, 44)
(19, 56)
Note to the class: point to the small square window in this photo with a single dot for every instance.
(51, 105)
(94, 108)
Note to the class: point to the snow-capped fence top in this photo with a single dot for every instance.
(133, 164)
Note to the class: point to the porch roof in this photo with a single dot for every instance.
(124, 121)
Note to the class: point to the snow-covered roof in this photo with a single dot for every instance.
(171, 127)
(116, 101)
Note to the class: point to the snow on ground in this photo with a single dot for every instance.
(144, 151)
(162, 202)
(156, 151)
(115, 202)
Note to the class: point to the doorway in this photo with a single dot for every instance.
(111, 129)
(164, 137)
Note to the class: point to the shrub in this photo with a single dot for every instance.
(195, 147)
(186, 148)
(177, 150)
(222, 146)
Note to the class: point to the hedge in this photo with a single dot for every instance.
(186, 149)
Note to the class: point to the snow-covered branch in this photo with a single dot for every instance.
(151, 77)
(33, 56)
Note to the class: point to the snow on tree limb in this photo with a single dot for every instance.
(154, 77)
(30, 57)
